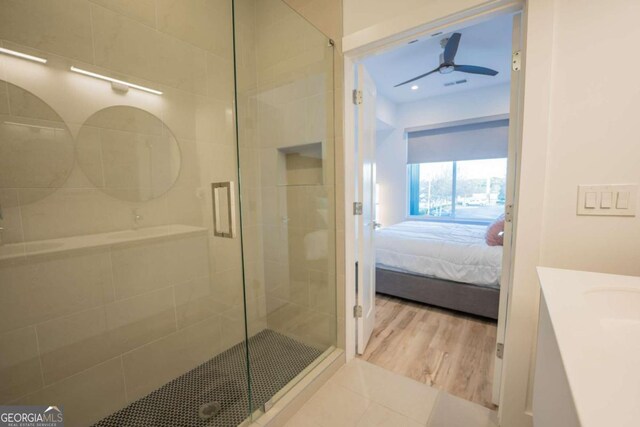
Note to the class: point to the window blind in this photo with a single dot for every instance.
(486, 140)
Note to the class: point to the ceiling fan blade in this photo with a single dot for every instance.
(472, 69)
(451, 48)
(417, 78)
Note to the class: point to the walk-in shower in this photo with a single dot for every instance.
(167, 208)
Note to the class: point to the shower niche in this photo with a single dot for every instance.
(301, 165)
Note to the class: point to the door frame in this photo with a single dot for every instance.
(352, 57)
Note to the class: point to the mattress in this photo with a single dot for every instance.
(456, 252)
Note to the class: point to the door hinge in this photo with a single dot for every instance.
(499, 350)
(357, 208)
(516, 61)
(508, 213)
(357, 311)
(357, 96)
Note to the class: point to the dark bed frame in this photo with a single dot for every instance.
(472, 299)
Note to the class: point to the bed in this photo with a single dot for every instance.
(443, 264)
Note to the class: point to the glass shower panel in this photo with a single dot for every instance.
(284, 101)
(120, 278)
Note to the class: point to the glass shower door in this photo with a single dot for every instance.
(120, 278)
(284, 109)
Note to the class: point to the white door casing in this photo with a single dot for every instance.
(365, 223)
(510, 204)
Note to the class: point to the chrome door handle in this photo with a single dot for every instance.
(223, 226)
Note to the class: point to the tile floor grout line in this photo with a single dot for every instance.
(433, 408)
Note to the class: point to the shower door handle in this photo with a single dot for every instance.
(223, 199)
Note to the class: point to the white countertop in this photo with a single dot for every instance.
(596, 321)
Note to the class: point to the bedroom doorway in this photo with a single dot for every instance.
(436, 172)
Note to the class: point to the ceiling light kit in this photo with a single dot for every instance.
(447, 64)
(118, 85)
(415, 87)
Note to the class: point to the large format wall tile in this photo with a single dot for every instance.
(155, 56)
(156, 363)
(43, 288)
(203, 23)
(135, 321)
(62, 26)
(140, 268)
(196, 301)
(74, 343)
(87, 397)
(141, 10)
(19, 364)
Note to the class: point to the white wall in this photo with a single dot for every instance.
(391, 149)
(366, 21)
(593, 136)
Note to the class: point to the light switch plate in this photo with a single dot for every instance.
(608, 205)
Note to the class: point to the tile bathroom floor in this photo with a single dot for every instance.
(362, 394)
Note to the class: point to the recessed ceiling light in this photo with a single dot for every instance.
(415, 87)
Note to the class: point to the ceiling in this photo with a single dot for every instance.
(487, 44)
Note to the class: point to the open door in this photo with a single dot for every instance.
(365, 100)
(510, 204)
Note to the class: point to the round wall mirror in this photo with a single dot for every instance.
(36, 147)
(128, 153)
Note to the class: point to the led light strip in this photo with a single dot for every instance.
(112, 80)
(32, 126)
(23, 55)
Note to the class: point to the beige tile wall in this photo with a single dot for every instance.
(286, 108)
(80, 326)
(326, 15)
(97, 329)
(146, 312)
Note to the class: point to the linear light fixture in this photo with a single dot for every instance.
(23, 55)
(32, 126)
(116, 81)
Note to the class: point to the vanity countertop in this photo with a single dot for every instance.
(596, 322)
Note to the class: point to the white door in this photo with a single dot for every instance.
(365, 223)
(510, 203)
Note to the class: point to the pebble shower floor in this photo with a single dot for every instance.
(274, 360)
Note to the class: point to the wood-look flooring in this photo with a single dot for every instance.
(445, 349)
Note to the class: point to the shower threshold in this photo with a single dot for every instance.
(220, 386)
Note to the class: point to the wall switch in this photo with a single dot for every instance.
(591, 200)
(622, 200)
(612, 200)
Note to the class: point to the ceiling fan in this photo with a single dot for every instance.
(447, 65)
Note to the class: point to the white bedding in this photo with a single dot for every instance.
(448, 251)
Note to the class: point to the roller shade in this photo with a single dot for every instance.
(486, 140)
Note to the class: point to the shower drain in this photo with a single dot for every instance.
(209, 409)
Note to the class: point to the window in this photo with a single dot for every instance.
(471, 190)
